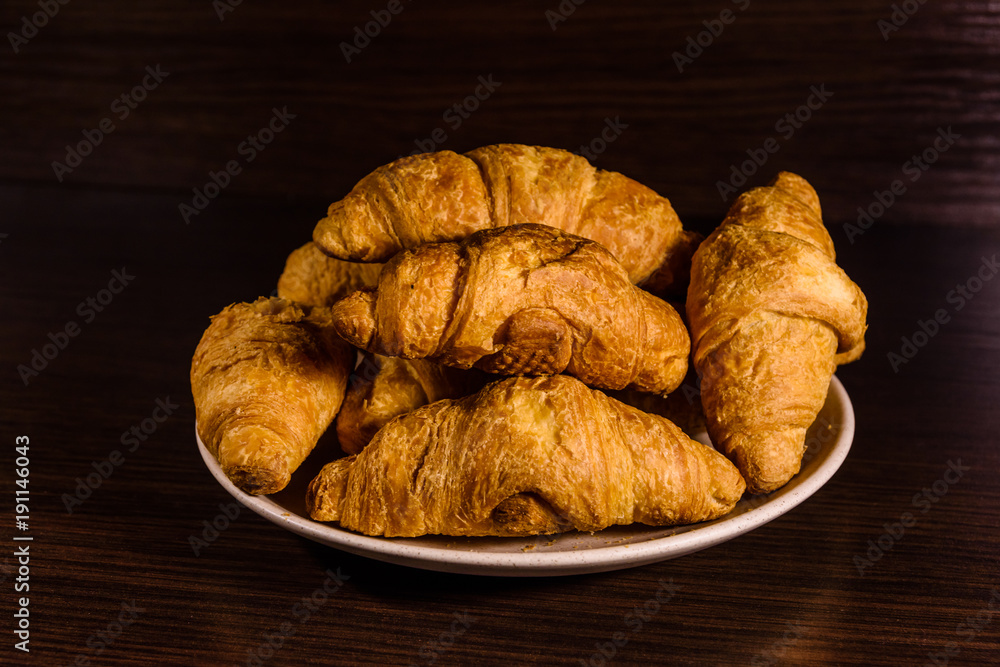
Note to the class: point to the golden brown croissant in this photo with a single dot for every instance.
(771, 315)
(670, 281)
(682, 406)
(312, 278)
(524, 456)
(521, 300)
(445, 196)
(267, 377)
(383, 388)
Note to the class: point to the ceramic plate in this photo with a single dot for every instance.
(828, 441)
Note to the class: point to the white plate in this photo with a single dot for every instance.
(829, 440)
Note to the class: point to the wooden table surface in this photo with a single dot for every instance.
(116, 580)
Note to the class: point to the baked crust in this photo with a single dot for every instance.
(312, 278)
(771, 316)
(383, 388)
(520, 300)
(268, 378)
(445, 196)
(524, 456)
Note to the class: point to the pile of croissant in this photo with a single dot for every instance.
(512, 308)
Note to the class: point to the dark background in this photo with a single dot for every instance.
(685, 129)
(60, 241)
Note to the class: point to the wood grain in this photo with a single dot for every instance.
(685, 130)
(787, 593)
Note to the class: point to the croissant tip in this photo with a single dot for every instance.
(354, 318)
(769, 459)
(257, 481)
(787, 178)
(799, 187)
(320, 230)
(328, 232)
(326, 490)
(314, 504)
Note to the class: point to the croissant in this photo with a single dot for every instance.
(521, 300)
(771, 316)
(682, 406)
(312, 278)
(268, 378)
(382, 388)
(524, 456)
(445, 196)
(670, 280)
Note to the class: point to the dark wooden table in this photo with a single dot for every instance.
(116, 580)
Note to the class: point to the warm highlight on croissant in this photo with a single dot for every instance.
(524, 456)
(521, 300)
(771, 316)
(445, 196)
(682, 406)
(268, 378)
(382, 388)
(312, 278)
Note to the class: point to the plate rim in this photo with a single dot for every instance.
(533, 562)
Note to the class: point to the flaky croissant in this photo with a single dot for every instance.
(445, 196)
(382, 388)
(268, 378)
(524, 456)
(312, 278)
(521, 300)
(682, 406)
(771, 316)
